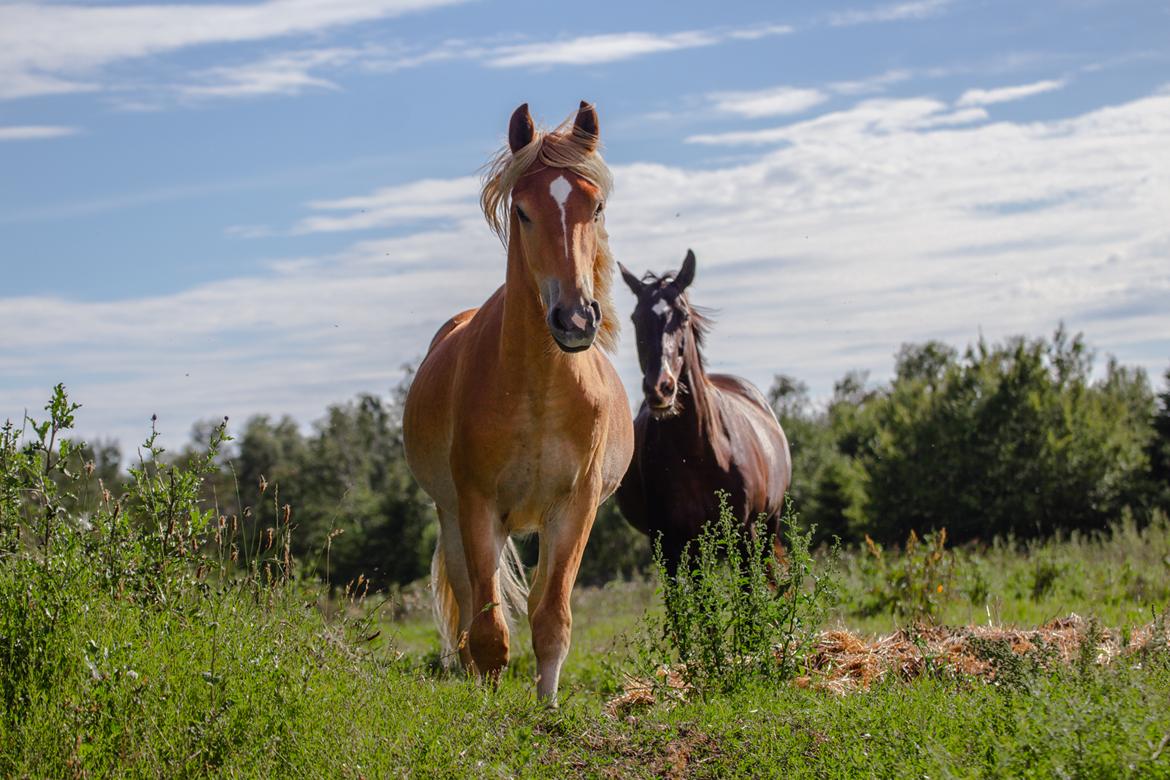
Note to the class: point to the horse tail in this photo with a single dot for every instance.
(513, 585)
(446, 607)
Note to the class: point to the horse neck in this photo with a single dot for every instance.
(524, 338)
(699, 408)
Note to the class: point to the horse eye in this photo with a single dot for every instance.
(523, 217)
(597, 213)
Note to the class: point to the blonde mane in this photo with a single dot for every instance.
(570, 147)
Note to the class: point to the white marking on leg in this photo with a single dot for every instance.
(560, 189)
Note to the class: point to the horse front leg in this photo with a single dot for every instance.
(484, 536)
(562, 543)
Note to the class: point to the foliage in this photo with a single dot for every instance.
(913, 584)
(358, 510)
(733, 612)
(1012, 439)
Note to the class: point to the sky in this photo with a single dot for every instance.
(235, 208)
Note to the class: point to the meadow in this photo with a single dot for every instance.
(150, 636)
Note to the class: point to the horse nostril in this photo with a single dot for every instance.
(558, 318)
(666, 387)
(595, 308)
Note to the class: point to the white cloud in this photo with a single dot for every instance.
(612, 47)
(18, 84)
(767, 102)
(48, 47)
(875, 116)
(421, 200)
(986, 97)
(871, 84)
(34, 132)
(918, 9)
(861, 232)
(289, 73)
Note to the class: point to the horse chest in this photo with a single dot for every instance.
(681, 484)
(548, 458)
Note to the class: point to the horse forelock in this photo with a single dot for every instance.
(569, 147)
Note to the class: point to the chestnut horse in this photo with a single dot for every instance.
(513, 422)
(695, 433)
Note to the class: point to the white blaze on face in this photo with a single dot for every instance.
(560, 190)
(662, 307)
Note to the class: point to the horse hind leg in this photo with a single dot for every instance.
(451, 589)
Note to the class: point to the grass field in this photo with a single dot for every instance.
(149, 637)
(244, 681)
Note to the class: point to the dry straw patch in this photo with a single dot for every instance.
(842, 662)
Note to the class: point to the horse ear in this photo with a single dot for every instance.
(633, 282)
(686, 274)
(520, 129)
(585, 128)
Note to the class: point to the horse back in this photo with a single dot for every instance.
(450, 325)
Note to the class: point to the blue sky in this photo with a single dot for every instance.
(234, 208)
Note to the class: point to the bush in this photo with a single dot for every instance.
(913, 584)
(734, 612)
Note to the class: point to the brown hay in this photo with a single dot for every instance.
(842, 662)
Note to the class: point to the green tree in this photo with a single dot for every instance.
(1013, 438)
(827, 484)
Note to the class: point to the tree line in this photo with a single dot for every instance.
(1016, 439)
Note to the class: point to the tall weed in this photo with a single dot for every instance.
(734, 612)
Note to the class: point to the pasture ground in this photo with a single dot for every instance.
(231, 680)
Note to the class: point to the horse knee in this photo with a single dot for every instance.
(488, 642)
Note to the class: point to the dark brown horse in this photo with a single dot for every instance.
(696, 433)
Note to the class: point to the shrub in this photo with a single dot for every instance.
(734, 612)
(914, 584)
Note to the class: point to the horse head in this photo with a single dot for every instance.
(557, 184)
(667, 330)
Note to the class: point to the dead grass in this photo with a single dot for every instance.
(842, 662)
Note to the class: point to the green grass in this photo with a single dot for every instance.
(145, 640)
(224, 685)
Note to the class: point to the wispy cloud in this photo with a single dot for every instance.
(613, 47)
(409, 203)
(48, 48)
(986, 97)
(917, 9)
(875, 116)
(34, 132)
(767, 102)
(871, 84)
(289, 73)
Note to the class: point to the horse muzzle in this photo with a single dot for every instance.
(661, 396)
(574, 328)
